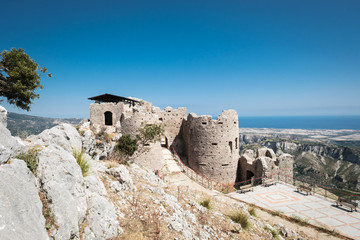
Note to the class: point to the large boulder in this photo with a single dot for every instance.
(9, 146)
(63, 135)
(62, 183)
(20, 206)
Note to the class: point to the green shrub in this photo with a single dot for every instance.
(150, 133)
(80, 159)
(205, 203)
(31, 159)
(240, 217)
(126, 144)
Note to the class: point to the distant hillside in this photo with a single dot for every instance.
(23, 125)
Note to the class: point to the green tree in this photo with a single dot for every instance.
(19, 78)
(127, 145)
(150, 133)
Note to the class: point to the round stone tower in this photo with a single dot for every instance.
(212, 145)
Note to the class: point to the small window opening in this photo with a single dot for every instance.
(236, 143)
(203, 123)
(224, 165)
(230, 145)
(220, 122)
(214, 144)
(160, 119)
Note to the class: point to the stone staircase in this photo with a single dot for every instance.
(170, 163)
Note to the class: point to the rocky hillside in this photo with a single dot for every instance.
(48, 192)
(315, 160)
(23, 125)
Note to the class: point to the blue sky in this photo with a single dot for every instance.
(259, 57)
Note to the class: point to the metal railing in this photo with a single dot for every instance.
(202, 180)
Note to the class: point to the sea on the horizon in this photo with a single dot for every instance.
(301, 122)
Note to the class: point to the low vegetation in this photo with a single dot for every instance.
(240, 217)
(31, 159)
(252, 211)
(273, 232)
(299, 220)
(275, 213)
(206, 202)
(127, 145)
(81, 161)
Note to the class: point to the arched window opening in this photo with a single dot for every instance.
(108, 118)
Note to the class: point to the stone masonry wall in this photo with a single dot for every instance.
(212, 145)
(130, 125)
(172, 120)
(97, 113)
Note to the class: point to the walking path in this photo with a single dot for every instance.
(170, 163)
(315, 209)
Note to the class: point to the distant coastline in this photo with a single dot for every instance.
(302, 122)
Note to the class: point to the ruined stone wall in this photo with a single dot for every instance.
(265, 163)
(131, 124)
(212, 145)
(172, 120)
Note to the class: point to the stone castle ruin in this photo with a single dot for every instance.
(210, 147)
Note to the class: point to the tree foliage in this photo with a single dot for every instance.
(150, 133)
(19, 78)
(126, 144)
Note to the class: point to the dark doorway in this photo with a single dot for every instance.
(108, 118)
(249, 175)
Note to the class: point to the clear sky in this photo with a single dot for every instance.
(259, 57)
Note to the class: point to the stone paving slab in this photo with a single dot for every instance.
(315, 209)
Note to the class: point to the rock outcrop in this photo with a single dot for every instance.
(20, 206)
(62, 183)
(63, 135)
(9, 146)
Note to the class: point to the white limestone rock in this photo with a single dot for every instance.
(102, 218)
(9, 146)
(94, 185)
(123, 176)
(62, 182)
(63, 135)
(20, 206)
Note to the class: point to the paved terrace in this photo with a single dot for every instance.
(315, 209)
